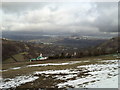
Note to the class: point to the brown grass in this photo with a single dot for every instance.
(30, 70)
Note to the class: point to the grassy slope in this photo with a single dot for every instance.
(18, 57)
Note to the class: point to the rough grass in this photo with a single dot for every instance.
(29, 70)
(19, 57)
(17, 64)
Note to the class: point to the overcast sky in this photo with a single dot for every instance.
(81, 18)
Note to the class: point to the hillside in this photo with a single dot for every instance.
(23, 51)
(14, 51)
(110, 46)
(10, 48)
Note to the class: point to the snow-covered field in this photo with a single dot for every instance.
(100, 76)
(89, 76)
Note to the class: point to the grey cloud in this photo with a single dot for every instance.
(19, 7)
(61, 17)
(107, 20)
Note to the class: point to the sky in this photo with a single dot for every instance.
(82, 18)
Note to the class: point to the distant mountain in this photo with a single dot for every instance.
(72, 41)
(80, 43)
(24, 37)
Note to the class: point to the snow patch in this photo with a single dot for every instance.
(17, 81)
(54, 64)
(15, 68)
(107, 83)
(3, 70)
(56, 72)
